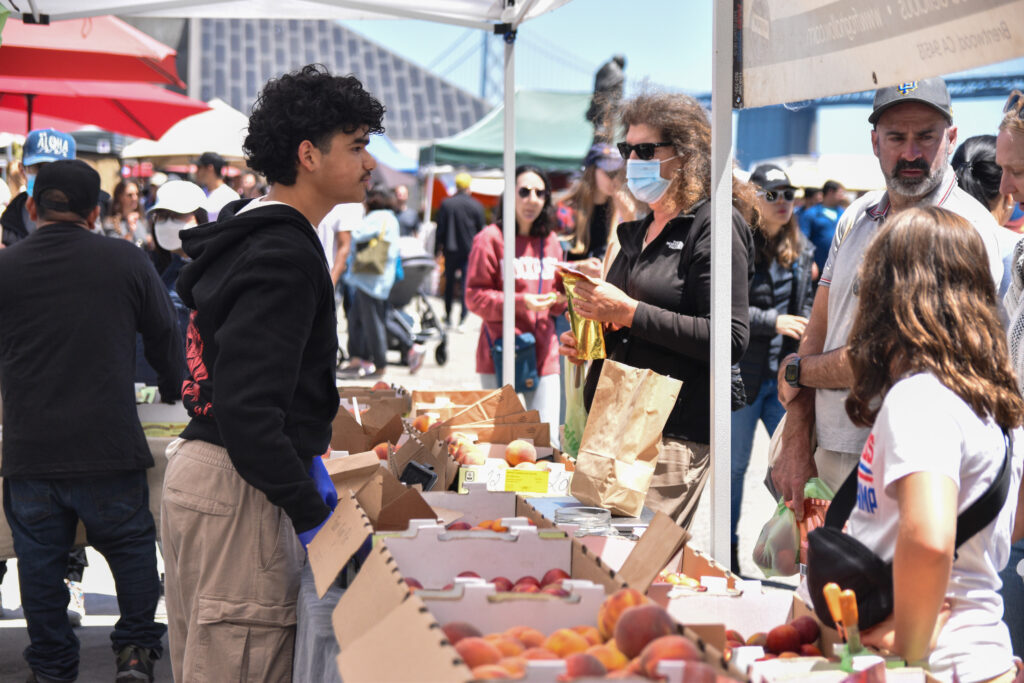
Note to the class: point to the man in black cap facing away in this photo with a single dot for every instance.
(71, 302)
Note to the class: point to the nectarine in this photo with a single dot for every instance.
(783, 638)
(553, 575)
(807, 627)
(455, 631)
(674, 647)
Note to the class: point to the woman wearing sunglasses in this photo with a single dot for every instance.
(538, 250)
(933, 379)
(656, 299)
(781, 296)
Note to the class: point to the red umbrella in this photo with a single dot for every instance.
(139, 109)
(96, 48)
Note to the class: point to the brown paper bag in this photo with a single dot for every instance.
(622, 440)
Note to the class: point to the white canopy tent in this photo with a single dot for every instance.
(222, 130)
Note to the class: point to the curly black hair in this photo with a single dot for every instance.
(308, 104)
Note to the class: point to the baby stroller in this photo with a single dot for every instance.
(410, 315)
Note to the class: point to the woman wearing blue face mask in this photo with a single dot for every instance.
(655, 301)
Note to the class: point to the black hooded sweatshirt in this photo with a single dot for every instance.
(261, 350)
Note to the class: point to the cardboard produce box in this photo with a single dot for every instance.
(498, 476)
(434, 556)
(380, 422)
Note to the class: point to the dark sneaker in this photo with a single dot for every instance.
(134, 663)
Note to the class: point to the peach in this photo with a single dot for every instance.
(413, 584)
(490, 672)
(592, 635)
(639, 625)
(382, 450)
(609, 655)
(529, 637)
(734, 635)
(528, 466)
(510, 647)
(477, 652)
(538, 653)
(455, 631)
(516, 666)
(553, 575)
(528, 579)
(565, 642)
(783, 638)
(580, 665)
(421, 423)
(520, 451)
(380, 386)
(474, 456)
(789, 655)
(501, 584)
(674, 647)
(459, 526)
(808, 650)
(614, 605)
(807, 627)
(468, 575)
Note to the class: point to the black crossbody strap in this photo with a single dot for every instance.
(982, 511)
(976, 517)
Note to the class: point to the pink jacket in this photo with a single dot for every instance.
(534, 267)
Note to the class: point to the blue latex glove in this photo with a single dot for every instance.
(324, 485)
(306, 537)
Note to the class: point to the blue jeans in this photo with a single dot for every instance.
(767, 409)
(43, 514)
(1013, 598)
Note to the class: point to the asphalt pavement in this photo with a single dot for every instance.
(97, 659)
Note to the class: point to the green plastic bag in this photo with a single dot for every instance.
(783, 541)
(575, 411)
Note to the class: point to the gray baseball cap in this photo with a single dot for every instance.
(930, 91)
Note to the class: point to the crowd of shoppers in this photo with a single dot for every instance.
(902, 359)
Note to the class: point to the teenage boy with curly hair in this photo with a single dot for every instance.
(245, 490)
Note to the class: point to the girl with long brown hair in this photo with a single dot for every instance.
(932, 377)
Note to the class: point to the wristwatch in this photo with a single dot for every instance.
(792, 373)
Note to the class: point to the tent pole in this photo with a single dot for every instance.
(721, 275)
(508, 213)
(28, 112)
(428, 198)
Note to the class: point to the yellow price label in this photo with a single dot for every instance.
(526, 481)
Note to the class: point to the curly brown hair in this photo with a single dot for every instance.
(684, 122)
(928, 304)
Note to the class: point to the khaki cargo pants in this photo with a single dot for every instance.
(232, 563)
(679, 478)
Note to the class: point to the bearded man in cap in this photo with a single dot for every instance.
(913, 137)
(459, 219)
(71, 303)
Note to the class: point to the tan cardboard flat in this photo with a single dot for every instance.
(658, 544)
(406, 644)
(348, 435)
(380, 424)
(377, 589)
(516, 418)
(500, 402)
(538, 432)
(337, 541)
(390, 504)
(350, 472)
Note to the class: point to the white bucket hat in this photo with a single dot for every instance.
(178, 196)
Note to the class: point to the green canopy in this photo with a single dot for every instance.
(551, 132)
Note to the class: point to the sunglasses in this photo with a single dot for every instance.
(1015, 102)
(644, 151)
(525, 192)
(772, 196)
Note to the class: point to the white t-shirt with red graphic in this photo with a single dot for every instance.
(924, 427)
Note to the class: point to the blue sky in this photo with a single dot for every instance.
(666, 43)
